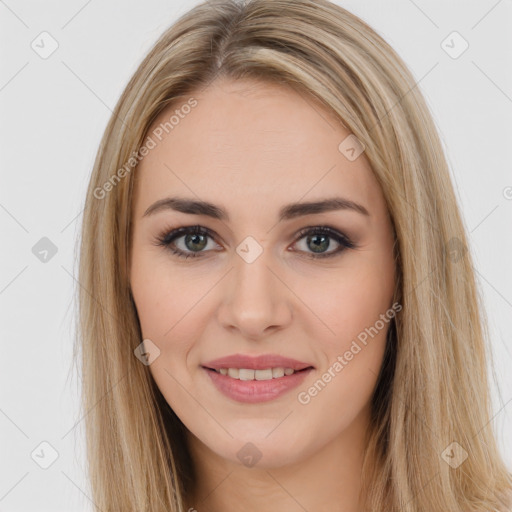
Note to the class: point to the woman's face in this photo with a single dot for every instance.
(251, 285)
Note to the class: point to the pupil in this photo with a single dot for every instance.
(194, 239)
(322, 245)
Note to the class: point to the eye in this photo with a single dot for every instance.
(195, 240)
(318, 239)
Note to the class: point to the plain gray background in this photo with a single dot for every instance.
(53, 113)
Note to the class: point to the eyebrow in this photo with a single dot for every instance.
(288, 212)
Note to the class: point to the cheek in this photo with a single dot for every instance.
(353, 355)
(167, 305)
(355, 312)
(163, 296)
(172, 305)
(162, 311)
(351, 303)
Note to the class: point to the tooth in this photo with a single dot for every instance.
(263, 374)
(277, 372)
(246, 374)
(233, 372)
(250, 374)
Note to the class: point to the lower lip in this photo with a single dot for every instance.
(255, 391)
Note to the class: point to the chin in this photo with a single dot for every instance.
(262, 451)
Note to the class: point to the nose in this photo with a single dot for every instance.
(256, 302)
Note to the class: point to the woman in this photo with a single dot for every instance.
(278, 309)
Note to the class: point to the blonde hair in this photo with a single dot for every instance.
(433, 388)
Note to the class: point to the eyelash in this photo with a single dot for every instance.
(167, 238)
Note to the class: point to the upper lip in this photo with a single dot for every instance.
(260, 362)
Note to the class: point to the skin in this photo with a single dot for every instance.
(252, 148)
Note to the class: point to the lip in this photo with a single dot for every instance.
(256, 391)
(260, 362)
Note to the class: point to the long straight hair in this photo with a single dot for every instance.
(433, 387)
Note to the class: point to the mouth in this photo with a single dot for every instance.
(250, 374)
(256, 378)
(251, 386)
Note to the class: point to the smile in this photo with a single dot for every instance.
(250, 374)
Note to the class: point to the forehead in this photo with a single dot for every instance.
(247, 140)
